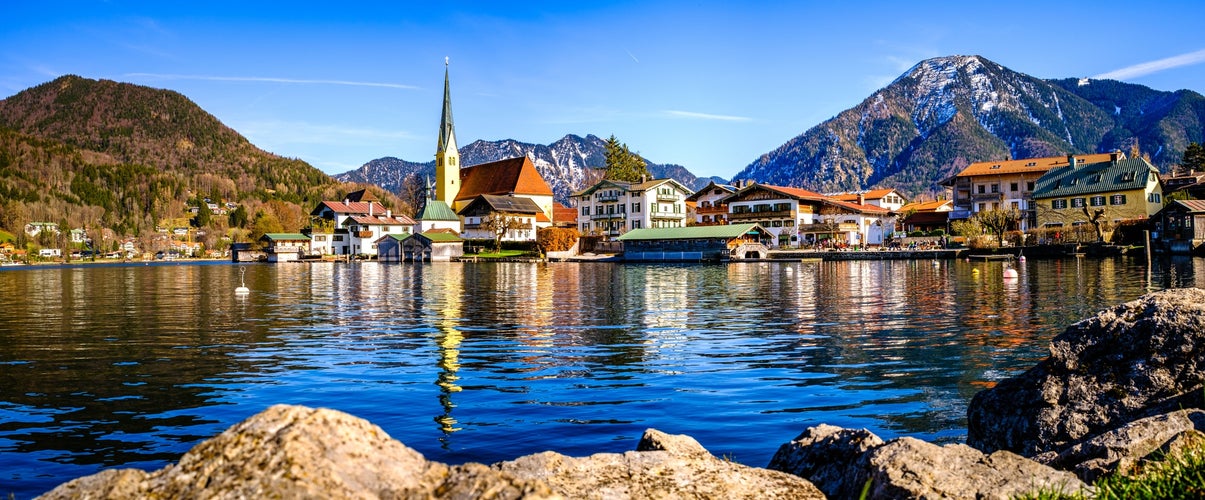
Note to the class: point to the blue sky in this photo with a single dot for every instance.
(708, 85)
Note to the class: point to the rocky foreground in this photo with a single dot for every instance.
(1119, 388)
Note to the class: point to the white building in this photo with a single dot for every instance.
(611, 208)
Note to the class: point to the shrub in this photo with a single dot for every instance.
(556, 239)
(937, 232)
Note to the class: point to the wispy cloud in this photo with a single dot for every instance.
(213, 78)
(633, 56)
(707, 116)
(1147, 68)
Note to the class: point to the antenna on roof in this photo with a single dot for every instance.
(445, 60)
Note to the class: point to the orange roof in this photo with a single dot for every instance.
(925, 206)
(796, 192)
(540, 217)
(562, 213)
(1037, 165)
(398, 220)
(504, 177)
(814, 196)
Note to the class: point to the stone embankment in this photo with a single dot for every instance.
(1119, 388)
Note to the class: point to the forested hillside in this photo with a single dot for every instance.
(124, 160)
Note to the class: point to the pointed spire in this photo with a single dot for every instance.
(447, 132)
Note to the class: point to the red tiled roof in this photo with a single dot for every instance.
(397, 220)
(562, 213)
(925, 206)
(504, 177)
(354, 207)
(540, 217)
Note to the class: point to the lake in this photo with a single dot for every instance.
(131, 365)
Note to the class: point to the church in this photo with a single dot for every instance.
(456, 188)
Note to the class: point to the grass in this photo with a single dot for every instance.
(7, 236)
(1179, 475)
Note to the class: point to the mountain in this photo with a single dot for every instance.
(125, 157)
(566, 165)
(948, 112)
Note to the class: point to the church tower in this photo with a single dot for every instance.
(447, 157)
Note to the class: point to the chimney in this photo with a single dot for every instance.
(861, 199)
(1114, 156)
(370, 206)
(388, 214)
(1071, 160)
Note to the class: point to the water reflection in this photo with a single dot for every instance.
(108, 366)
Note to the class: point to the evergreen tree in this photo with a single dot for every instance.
(238, 217)
(1194, 157)
(622, 164)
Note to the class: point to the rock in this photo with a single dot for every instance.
(827, 456)
(298, 452)
(1142, 358)
(1123, 448)
(911, 468)
(674, 467)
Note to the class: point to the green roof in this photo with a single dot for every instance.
(286, 236)
(1103, 177)
(690, 232)
(437, 210)
(435, 236)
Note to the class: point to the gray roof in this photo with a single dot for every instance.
(505, 204)
(723, 231)
(1102, 177)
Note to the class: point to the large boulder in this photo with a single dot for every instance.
(911, 468)
(298, 452)
(828, 456)
(664, 466)
(1123, 448)
(1135, 360)
(843, 462)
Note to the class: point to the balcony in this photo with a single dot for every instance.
(604, 198)
(668, 197)
(363, 234)
(710, 210)
(987, 197)
(608, 216)
(668, 215)
(777, 214)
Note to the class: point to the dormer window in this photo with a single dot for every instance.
(1128, 176)
(994, 167)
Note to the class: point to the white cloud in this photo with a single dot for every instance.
(213, 78)
(1147, 68)
(707, 116)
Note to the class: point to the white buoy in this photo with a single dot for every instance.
(1010, 274)
(242, 288)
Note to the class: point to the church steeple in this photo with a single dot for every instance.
(447, 157)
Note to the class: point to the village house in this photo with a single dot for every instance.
(330, 232)
(926, 216)
(1115, 190)
(710, 207)
(1006, 184)
(800, 217)
(883, 198)
(485, 208)
(1179, 227)
(285, 247)
(364, 230)
(696, 243)
(612, 208)
(36, 228)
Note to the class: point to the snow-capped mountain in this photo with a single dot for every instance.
(948, 112)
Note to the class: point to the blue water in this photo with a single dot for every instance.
(130, 366)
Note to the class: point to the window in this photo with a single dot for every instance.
(1058, 204)
(1117, 199)
(635, 208)
(982, 207)
(982, 189)
(1077, 202)
(1016, 206)
(1098, 201)
(1029, 186)
(995, 188)
(585, 210)
(1013, 187)
(1128, 176)
(1094, 179)
(338, 237)
(1154, 198)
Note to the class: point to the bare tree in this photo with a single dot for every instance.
(1094, 217)
(499, 224)
(998, 222)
